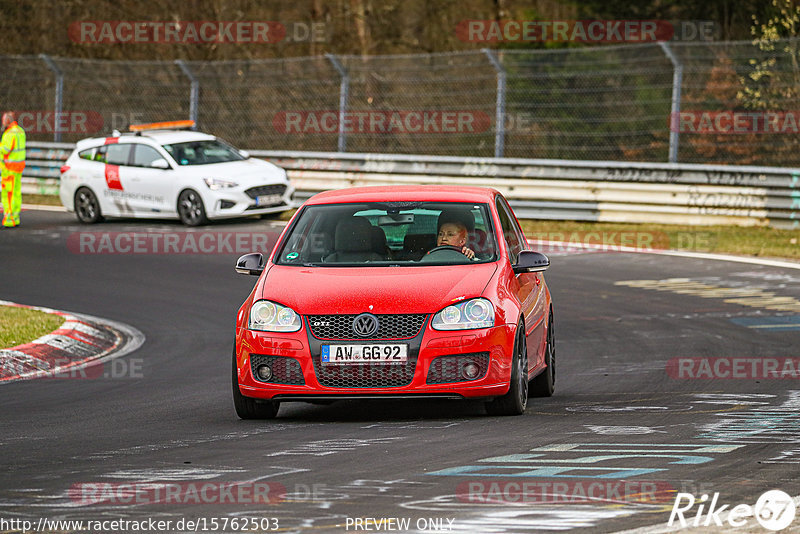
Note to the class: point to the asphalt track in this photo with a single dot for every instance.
(617, 413)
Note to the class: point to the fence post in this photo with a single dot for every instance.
(194, 96)
(500, 106)
(674, 122)
(59, 100)
(344, 92)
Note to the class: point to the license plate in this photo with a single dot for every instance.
(268, 200)
(364, 354)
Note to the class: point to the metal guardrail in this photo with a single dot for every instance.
(537, 189)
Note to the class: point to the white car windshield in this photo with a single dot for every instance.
(389, 234)
(203, 152)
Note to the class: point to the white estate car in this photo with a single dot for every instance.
(163, 173)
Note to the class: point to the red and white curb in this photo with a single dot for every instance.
(81, 341)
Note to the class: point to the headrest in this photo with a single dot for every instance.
(353, 235)
(457, 215)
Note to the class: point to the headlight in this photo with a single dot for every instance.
(474, 313)
(215, 184)
(271, 317)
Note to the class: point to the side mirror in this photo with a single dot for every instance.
(531, 262)
(250, 264)
(245, 154)
(160, 163)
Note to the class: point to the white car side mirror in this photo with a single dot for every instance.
(245, 154)
(160, 163)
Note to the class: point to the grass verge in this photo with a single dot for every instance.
(47, 200)
(21, 325)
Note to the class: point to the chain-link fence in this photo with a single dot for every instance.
(599, 103)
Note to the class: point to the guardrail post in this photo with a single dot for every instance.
(500, 106)
(59, 100)
(194, 96)
(674, 117)
(344, 92)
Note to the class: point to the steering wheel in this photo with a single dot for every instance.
(445, 247)
(445, 253)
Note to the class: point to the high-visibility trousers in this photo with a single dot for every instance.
(12, 196)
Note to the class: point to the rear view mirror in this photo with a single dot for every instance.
(531, 262)
(250, 264)
(245, 154)
(396, 219)
(160, 163)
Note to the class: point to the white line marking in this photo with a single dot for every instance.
(43, 207)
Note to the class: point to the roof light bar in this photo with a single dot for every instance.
(166, 125)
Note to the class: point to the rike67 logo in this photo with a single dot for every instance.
(774, 510)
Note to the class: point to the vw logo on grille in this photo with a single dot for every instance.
(365, 325)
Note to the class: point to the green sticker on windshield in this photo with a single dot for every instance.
(292, 255)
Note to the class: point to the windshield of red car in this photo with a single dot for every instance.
(390, 234)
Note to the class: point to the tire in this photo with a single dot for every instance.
(516, 400)
(544, 384)
(190, 208)
(87, 207)
(247, 408)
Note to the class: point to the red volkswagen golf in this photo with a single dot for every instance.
(396, 292)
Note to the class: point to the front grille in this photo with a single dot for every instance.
(375, 375)
(391, 326)
(445, 369)
(284, 370)
(263, 190)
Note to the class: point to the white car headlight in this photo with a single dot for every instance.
(271, 317)
(470, 314)
(215, 183)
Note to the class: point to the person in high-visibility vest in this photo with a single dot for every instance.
(12, 163)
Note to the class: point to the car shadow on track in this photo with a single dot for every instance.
(381, 410)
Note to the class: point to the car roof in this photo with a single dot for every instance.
(160, 137)
(411, 193)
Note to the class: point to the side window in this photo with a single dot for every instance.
(87, 154)
(144, 155)
(515, 224)
(509, 232)
(118, 154)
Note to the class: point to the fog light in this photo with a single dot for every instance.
(470, 371)
(263, 372)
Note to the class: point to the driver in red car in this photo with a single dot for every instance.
(454, 231)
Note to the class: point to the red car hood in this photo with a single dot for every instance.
(343, 290)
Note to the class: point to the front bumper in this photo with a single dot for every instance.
(296, 359)
(229, 204)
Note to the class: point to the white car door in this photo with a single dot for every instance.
(115, 156)
(150, 188)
